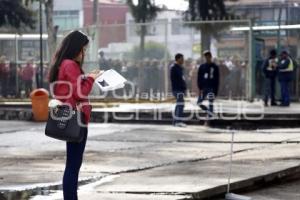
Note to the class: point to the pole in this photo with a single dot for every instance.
(41, 46)
(230, 164)
(278, 32)
(95, 31)
(17, 64)
(232, 196)
(251, 71)
(166, 67)
(95, 11)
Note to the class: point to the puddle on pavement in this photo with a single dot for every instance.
(26, 194)
(41, 191)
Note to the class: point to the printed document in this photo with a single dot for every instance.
(110, 80)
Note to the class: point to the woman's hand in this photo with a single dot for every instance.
(95, 74)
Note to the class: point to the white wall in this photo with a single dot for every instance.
(68, 5)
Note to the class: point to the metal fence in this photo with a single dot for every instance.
(143, 53)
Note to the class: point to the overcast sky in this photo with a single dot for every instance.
(173, 4)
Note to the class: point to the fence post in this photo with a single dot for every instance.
(166, 81)
(16, 61)
(251, 69)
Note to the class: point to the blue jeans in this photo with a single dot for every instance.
(285, 94)
(73, 163)
(179, 106)
(210, 96)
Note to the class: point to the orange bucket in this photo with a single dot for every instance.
(39, 101)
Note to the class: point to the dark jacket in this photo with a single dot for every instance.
(177, 78)
(208, 77)
(283, 65)
(269, 71)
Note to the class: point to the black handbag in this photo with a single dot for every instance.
(65, 123)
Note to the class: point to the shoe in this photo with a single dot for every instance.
(203, 107)
(284, 105)
(180, 124)
(213, 116)
(274, 104)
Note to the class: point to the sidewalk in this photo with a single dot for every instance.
(132, 162)
(205, 179)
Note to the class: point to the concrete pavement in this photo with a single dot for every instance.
(276, 192)
(124, 161)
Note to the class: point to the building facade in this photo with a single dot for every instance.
(272, 13)
(111, 13)
(68, 14)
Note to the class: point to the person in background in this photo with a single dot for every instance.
(178, 88)
(103, 63)
(188, 67)
(270, 72)
(46, 76)
(27, 75)
(193, 78)
(4, 76)
(243, 72)
(12, 80)
(234, 78)
(224, 79)
(208, 84)
(285, 76)
(155, 72)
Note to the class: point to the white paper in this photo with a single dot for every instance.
(110, 80)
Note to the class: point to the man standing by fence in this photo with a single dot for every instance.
(208, 84)
(178, 89)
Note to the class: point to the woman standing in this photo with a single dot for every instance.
(72, 87)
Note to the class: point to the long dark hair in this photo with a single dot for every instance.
(70, 48)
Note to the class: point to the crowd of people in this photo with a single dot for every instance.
(19, 79)
(141, 73)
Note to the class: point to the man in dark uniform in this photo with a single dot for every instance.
(285, 76)
(208, 83)
(178, 88)
(270, 72)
